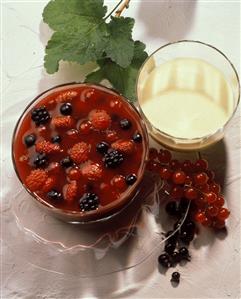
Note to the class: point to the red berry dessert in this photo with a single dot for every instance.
(78, 154)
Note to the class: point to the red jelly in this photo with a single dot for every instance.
(74, 151)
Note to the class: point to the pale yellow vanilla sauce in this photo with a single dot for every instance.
(186, 98)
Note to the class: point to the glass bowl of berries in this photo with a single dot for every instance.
(80, 150)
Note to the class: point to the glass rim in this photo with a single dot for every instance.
(195, 139)
(122, 202)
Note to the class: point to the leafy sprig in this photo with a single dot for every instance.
(82, 34)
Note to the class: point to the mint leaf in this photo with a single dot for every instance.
(61, 13)
(120, 47)
(81, 33)
(122, 79)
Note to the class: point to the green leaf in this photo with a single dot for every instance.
(122, 79)
(76, 46)
(120, 47)
(81, 33)
(95, 77)
(61, 13)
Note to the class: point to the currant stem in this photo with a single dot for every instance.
(117, 5)
(123, 6)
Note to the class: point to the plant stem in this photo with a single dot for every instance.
(123, 6)
(109, 14)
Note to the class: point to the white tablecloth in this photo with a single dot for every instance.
(215, 268)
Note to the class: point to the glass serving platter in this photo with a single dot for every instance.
(85, 249)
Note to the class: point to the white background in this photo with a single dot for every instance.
(214, 275)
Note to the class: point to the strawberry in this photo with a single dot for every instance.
(47, 147)
(92, 172)
(66, 96)
(63, 122)
(71, 191)
(49, 184)
(124, 146)
(36, 179)
(79, 153)
(100, 119)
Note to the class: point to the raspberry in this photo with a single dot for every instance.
(47, 147)
(92, 172)
(36, 179)
(63, 122)
(71, 191)
(124, 146)
(49, 184)
(79, 153)
(66, 96)
(100, 119)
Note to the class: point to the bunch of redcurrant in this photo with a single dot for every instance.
(193, 181)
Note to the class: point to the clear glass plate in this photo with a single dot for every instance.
(121, 242)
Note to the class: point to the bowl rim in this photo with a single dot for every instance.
(122, 202)
(183, 139)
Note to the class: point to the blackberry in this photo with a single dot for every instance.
(102, 147)
(56, 139)
(125, 124)
(164, 260)
(89, 202)
(130, 179)
(137, 137)
(66, 109)
(175, 277)
(40, 116)
(66, 162)
(41, 160)
(29, 140)
(55, 195)
(113, 159)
